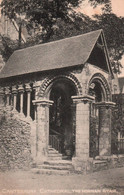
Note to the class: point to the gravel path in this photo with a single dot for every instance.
(24, 182)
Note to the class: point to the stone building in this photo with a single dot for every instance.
(48, 97)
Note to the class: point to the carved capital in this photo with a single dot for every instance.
(2, 92)
(7, 91)
(85, 99)
(106, 104)
(14, 89)
(20, 88)
(42, 102)
(28, 87)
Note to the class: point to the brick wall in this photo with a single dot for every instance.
(15, 149)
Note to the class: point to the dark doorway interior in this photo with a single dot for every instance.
(62, 119)
(97, 92)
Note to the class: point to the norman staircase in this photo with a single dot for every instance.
(54, 164)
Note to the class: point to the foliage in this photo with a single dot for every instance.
(93, 137)
(117, 120)
(113, 27)
(7, 47)
(44, 13)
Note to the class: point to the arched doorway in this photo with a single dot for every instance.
(97, 90)
(62, 117)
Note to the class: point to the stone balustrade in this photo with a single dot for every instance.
(14, 96)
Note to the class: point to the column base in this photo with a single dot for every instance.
(82, 165)
(22, 115)
(40, 159)
(28, 118)
(14, 111)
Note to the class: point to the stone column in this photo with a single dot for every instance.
(2, 94)
(42, 131)
(36, 87)
(105, 127)
(7, 92)
(28, 90)
(82, 129)
(14, 92)
(21, 91)
(2, 103)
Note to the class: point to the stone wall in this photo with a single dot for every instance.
(15, 148)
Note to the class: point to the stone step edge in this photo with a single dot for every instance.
(99, 162)
(56, 167)
(57, 162)
(50, 171)
(54, 155)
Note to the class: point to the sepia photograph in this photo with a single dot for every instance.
(61, 97)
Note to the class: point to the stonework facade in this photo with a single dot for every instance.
(55, 108)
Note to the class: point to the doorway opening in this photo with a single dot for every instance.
(95, 90)
(62, 117)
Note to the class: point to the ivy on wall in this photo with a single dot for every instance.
(117, 121)
(93, 136)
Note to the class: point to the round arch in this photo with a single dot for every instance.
(101, 83)
(61, 115)
(99, 88)
(50, 80)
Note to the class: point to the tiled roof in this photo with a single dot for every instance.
(67, 52)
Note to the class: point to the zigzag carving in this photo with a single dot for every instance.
(48, 80)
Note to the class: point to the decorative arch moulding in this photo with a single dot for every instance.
(98, 77)
(52, 78)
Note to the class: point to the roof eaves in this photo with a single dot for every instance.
(93, 45)
(107, 54)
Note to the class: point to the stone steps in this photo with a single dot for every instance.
(54, 155)
(58, 162)
(51, 171)
(100, 165)
(54, 165)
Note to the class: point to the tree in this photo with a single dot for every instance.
(113, 27)
(44, 13)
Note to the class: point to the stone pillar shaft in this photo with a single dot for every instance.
(36, 87)
(105, 128)
(42, 131)
(28, 90)
(14, 91)
(21, 102)
(82, 126)
(14, 101)
(21, 91)
(2, 94)
(28, 103)
(7, 92)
